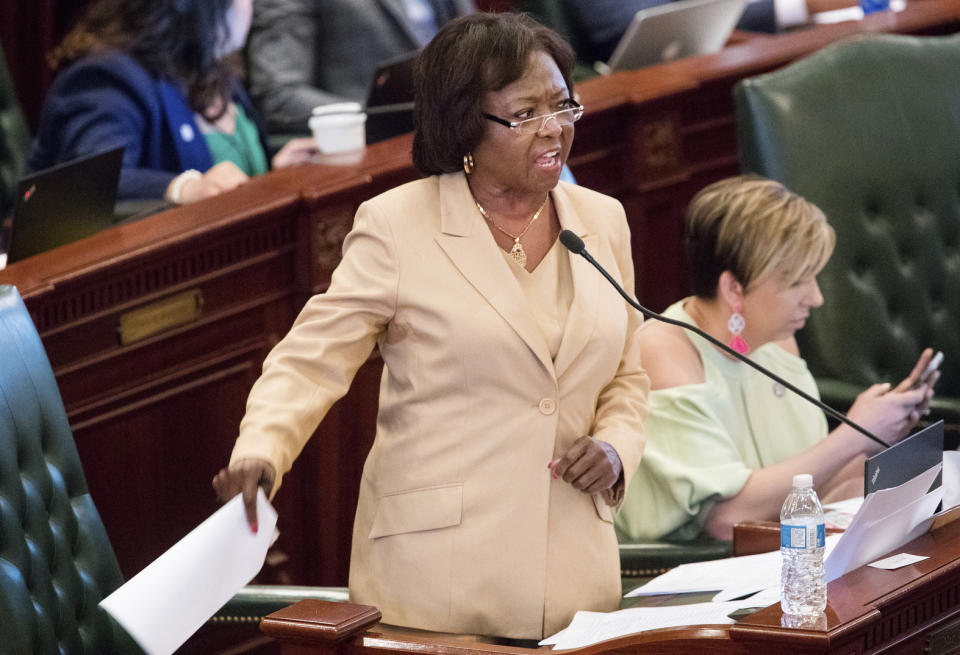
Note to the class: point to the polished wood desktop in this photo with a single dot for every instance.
(914, 609)
(157, 329)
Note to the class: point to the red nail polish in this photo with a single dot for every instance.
(253, 527)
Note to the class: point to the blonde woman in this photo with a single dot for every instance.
(724, 441)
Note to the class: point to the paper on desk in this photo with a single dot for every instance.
(888, 519)
(178, 592)
(752, 583)
(840, 514)
(951, 478)
(897, 561)
(593, 627)
(733, 577)
(714, 575)
(762, 598)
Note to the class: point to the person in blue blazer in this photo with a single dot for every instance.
(154, 77)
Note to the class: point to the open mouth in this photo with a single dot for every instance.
(549, 160)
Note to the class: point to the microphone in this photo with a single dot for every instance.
(575, 245)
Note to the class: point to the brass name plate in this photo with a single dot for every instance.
(161, 315)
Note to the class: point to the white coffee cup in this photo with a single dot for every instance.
(339, 128)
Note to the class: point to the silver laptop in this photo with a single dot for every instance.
(673, 31)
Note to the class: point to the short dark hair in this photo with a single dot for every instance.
(172, 39)
(469, 57)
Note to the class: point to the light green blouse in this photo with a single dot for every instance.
(703, 440)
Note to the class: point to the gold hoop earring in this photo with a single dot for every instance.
(468, 163)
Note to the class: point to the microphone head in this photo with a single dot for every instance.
(572, 242)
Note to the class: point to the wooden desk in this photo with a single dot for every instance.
(915, 609)
(156, 330)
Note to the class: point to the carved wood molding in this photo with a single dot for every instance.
(67, 304)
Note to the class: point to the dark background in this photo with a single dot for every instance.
(29, 29)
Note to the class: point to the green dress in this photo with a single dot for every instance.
(703, 440)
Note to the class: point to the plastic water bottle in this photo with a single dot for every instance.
(803, 589)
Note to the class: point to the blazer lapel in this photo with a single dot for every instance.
(582, 317)
(192, 151)
(470, 246)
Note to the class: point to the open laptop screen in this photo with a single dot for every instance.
(64, 203)
(675, 30)
(905, 460)
(390, 101)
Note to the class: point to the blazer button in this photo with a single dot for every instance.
(548, 406)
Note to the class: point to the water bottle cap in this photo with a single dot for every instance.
(803, 480)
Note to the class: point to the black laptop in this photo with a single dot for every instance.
(64, 203)
(905, 460)
(389, 105)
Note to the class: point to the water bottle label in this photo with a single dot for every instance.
(802, 536)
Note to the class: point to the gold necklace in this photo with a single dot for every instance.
(516, 253)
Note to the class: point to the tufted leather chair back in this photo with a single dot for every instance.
(869, 130)
(14, 139)
(56, 563)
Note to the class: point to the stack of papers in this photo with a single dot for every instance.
(887, 519)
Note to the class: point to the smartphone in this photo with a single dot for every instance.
(934, 364)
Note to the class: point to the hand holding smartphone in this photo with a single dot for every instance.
(928, 372)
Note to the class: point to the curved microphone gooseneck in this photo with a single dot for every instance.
(575, 245)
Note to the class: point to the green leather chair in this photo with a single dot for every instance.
(56, 562)
(869, 130)
(14, 139)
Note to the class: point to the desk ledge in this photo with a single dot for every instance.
(319, 619)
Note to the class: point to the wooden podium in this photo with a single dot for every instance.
(914, 609)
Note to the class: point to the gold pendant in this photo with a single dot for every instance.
(518, 255)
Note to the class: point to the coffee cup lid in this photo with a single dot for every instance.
(337, 108)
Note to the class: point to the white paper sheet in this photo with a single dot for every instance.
(897, 561)
(888, 519)
(765, 597)
(732, 577)
(178, 592)
(951, 478)
(714, 575)
(840, 514)
(593, 627)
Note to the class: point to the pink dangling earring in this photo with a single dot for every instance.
(735, 324)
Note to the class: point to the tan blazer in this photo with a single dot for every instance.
(459, 525)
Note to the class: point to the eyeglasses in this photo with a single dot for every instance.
(564, 117)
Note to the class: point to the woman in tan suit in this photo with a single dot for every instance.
(512, 398)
